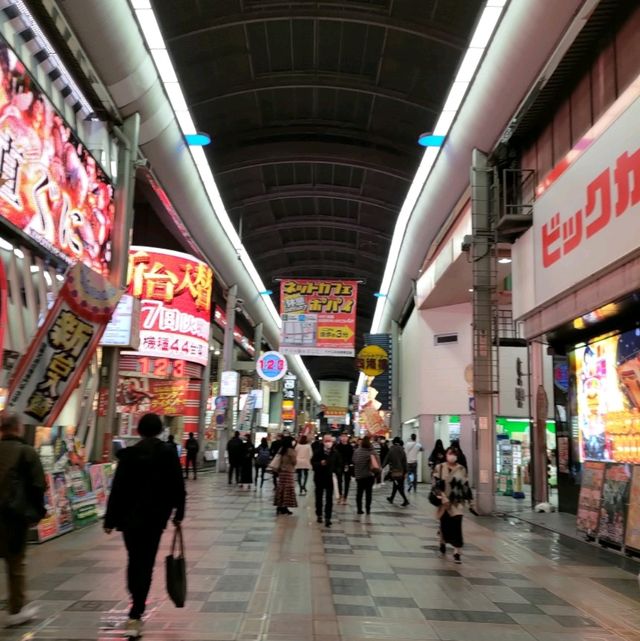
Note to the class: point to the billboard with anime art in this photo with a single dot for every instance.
(51, 187)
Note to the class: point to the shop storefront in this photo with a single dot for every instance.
(576, 275)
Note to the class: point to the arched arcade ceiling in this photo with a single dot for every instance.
(314, 109)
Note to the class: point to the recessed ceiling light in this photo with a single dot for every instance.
(470, 289)
(19, 253)
(504, 261)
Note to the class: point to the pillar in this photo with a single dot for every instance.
(227, 365)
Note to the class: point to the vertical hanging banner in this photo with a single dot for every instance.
(48, 373)
(335, 400)
(318, 317)
(289, 392)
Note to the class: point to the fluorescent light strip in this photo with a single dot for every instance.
(466, 73)
(155, 42)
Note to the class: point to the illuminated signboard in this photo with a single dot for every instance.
(608, 393)
(175, 290)
(50, 186)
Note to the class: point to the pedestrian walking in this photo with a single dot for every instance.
(366, 465)
(398, 467)
(263, 458)
(452, 487)
(326, 462)
(234, 455)
(246, 466)
(192, 447)
(412, 450)
(285, 494)
(303, 463)
(437, 456)
(148, 487)
(171, 441)
(345, 449)
(22, 486)
(462, 459)
(276, 444)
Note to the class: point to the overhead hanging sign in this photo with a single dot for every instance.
(289, 392)
(335, 399)
(372, 360)
(51, 187)
(271, 366)
(175, 290)
(589, 218)
(318, 317)
(48, 373)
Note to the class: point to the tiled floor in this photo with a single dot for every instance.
(255, 577)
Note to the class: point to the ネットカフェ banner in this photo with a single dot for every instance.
(318, 317)
(50, 370)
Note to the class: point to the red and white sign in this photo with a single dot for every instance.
(175, 290)
(589, 218)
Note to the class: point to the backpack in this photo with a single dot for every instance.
(264, 457)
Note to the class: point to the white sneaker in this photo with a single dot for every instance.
(24, 616)
(133, 629)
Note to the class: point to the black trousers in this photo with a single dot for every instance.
(191, 461)
(365, 488)
(260, 473)
(142, 547)
(303, 477)
(324, 494)
(344, 480)
(235, 466)
(398, 487)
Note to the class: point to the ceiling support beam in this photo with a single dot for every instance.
(318, 222)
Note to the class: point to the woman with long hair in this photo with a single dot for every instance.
(437, 456)
(285, 494)
(366, 465)
(452, 487)
(303, 463)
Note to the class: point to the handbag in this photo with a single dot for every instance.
(274, 466)
(375, 465)
(176, 570)
(437, 487)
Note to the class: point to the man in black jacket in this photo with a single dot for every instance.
(325, 461)
(234, 454)
(345, 449)
(147, 487)
(19, 463)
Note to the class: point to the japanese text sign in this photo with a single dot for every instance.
(590, 216)
(335, 399)
(51, 187)
(318, 317)
(175, 290)
(48, 373)
(372, 360)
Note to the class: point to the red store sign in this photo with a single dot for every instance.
(589, 218)
(175, 290)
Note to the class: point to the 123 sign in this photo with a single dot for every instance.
(272, 366)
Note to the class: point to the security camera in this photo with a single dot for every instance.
(466, 243)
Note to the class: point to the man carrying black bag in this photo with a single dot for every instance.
(22, 486)
(147, 487)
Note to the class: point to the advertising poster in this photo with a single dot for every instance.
(64, 515)
(57, 357)
(590, 497)
(107, 477)
(139, 395)
(175, 293)
(632, 535)
(48, 527)
(52, 189)
(98, 488)
(335, 399)
(608, 393)
(318, 317)
(615, 496)
(83, 501)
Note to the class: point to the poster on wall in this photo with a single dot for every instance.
(607, 376)
(48, 527)
(138, 395)
(590, 497)
(98, 488)
(318, 317)
(52, 188)
(84, 506)
(64, 515)
(175, 290)
(632, 534)
(48, 373)
(615, 495)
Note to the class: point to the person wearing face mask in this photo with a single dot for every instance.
(326, 461)
(452, 486)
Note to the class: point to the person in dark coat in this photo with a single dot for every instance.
(234, 453)
(345, 450)
(246, 467)
(193, 447)
(18, 461)
(325, 461)
(398, 468)
(147, 488)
